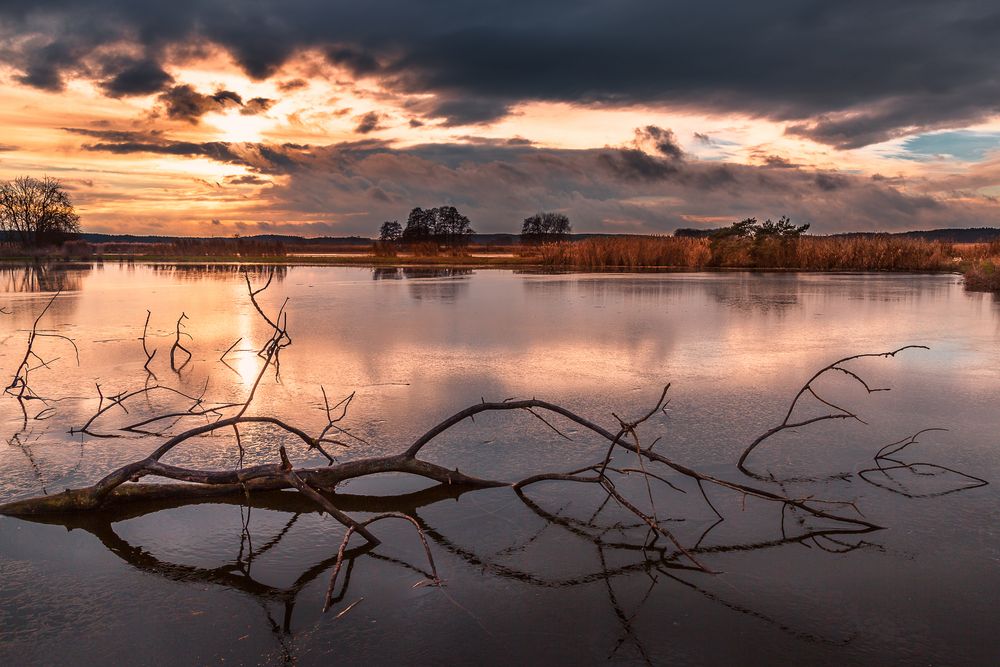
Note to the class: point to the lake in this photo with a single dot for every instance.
(556, 575)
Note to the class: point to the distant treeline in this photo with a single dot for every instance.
(287, 239)
(962, 235)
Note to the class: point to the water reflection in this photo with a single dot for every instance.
(427, 283)
(615, 551)
(415, 272)
(416, 345)
(43, 277)
(61, 277)
(195, 272)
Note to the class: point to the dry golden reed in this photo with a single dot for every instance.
(872, 253)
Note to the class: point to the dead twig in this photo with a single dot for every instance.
(145, 350)
(179, 346)
(838, 412)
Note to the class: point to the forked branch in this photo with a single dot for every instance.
(837, 411)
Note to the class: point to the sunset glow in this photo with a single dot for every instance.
(330, 136)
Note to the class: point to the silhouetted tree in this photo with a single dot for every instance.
(744, 229)
(36, 211)
(443, 225)
(451, 227)
(419, 225)
(545, 227)
(752, 243)
(391, 231)
(749, 228)
(783, 228)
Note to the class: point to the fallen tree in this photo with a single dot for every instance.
(125, 486)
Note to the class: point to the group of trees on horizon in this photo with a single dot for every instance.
(36, 212)
(39, 211)
(444, 225)
(545, 228)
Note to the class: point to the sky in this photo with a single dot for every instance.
(323, 117)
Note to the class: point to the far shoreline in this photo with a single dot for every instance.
(462, 262)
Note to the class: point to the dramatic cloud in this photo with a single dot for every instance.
(846, 74)
(330, 117)
(628, 189)
(256, 105)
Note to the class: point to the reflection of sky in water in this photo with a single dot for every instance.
(417, 345)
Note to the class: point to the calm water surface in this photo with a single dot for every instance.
(525, 581)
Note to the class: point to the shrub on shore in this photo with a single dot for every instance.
(982, 272)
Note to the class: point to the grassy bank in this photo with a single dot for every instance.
(979, 262)
(982, 273)
(804, 253)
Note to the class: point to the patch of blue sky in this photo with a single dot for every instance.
(961, 145)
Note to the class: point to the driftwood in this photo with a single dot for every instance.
(123, 487)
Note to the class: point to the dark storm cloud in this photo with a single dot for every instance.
(460, 110)
(663, 140)
(262, 158)
(357, 62)
(847, 73)
(777, 161)
(117, 136)
(256, 105)
(293, 84)
(498, 183)
(185, 103)
(224, 96)
(831, 182)
(142, 77)
(368, 122)
(217, 150)
(636, 165)
(247, 179)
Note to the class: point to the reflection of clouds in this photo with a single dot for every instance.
(428, 283)
(413, 272)
(446, 291)
(564, 332)
(747, 293)
(587, 340)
